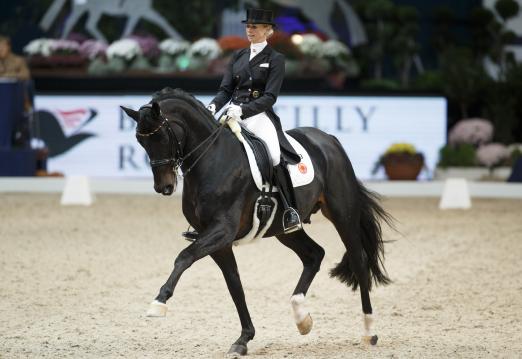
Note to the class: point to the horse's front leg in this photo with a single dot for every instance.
(215, 238)
(226, 261)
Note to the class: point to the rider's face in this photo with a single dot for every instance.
(257, 32)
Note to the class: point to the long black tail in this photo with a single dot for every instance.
(371, 237)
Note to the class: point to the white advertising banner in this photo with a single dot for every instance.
(90, 135)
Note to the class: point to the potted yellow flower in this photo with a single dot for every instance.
(401, 161)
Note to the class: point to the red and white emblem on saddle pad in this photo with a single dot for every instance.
(301, 173)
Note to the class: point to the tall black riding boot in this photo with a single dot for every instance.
(291, 220)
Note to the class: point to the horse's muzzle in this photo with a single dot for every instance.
(167, 190)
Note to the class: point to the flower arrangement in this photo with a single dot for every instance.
(42, 47)
(310, 56)
(173, 55)
(231, 43)
(205, 48)
(311, 45)
(335, 48)
(401, 161)
(469, 145)
(475, 131)
(91, 49)
(64, 47)
(492, 155)
(126, 49)
(149, 46)
(462, 155)
(174, 47)
(340, 57)
(49, 53)
(282, 43)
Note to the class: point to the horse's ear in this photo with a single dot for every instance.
(135, 115)
(156, 110)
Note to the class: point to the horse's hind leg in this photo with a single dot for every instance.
(311, 254)
(353, 268)
(227, 263)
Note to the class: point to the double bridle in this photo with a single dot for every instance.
(177, 158)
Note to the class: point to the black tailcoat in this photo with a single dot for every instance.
(255, 85)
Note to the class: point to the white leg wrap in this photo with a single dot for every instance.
(368, 336)
(157, 309)
(302, 317)
(367, 322)
(298, 306)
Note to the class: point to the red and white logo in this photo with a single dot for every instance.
(302, 167)
(71, 121)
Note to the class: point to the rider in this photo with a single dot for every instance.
(252, 82)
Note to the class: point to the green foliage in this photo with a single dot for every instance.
(514, 156)
(392, 33)
(380, 27)
(500, 108)
(404, 45)
(430, 80)
(507, 8)
(380, 84)
(463, 155)
(463, 76)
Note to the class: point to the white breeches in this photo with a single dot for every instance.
(261, 126)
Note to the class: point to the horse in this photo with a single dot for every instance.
(219, 195)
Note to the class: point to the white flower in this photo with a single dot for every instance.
(492, 154)
(515, 147)
(311, 45)
(334, 48)
(39, 47)
(65, 46)
(174, 47)
(126, 48)
(206, 47)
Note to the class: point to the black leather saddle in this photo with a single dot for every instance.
(261, 153)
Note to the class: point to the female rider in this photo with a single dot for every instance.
(250, 87)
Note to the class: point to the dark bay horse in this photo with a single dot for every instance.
(219, 195)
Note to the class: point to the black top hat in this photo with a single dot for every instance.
(259, 16)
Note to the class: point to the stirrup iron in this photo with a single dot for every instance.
(291, 221)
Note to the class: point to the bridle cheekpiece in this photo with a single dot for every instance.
(176, 156)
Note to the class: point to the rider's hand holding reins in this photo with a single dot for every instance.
(235, 112)
(232, 118)
(212, 109)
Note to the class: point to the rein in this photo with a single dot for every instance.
(177, 158)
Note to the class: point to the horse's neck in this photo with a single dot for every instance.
(218, 147)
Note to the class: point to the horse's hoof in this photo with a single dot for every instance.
(306, 325)
(157, 309)
(237, 350)
(369, 339)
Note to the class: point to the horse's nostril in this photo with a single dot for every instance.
(167, 190)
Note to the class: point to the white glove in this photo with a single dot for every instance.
(212, 109)
(235, 112)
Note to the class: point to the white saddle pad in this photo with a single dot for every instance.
(301, 173)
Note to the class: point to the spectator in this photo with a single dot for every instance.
(11, 65)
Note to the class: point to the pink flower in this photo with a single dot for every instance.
(91, 49)
(492, 154)
(475, 131)
(149, 45)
